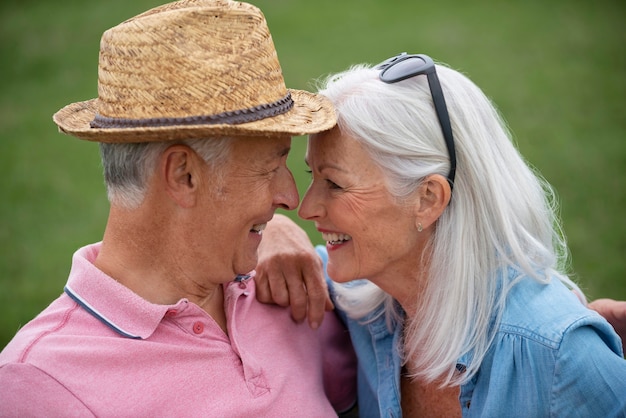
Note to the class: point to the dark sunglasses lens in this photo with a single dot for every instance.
(403, 69)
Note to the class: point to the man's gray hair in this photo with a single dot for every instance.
(128, 166)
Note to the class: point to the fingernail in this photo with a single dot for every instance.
(315, 325)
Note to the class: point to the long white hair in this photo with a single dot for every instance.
(502, 214)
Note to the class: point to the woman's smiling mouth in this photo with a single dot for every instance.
(334, 238)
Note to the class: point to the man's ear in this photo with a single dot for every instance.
(180, 174)
(433, 196)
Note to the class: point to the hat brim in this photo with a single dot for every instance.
(311, 113)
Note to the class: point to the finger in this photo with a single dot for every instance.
(317, 292)
(298, 297)
(263, 293)
(272, 282)
(614, 312)
(610, 309)
(278, 287)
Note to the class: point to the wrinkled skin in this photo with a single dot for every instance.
(290, 273)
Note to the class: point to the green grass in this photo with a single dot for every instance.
(556, 69)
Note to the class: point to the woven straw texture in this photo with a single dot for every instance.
(192, 69)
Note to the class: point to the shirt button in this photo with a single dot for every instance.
(171, 312)
(198, 327)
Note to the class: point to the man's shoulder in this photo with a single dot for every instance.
(29, 391)
(32, 334)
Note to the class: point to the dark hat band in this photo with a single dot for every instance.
(233, 117)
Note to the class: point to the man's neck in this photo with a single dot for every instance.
(147, 258)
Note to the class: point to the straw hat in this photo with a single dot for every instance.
(193, 69)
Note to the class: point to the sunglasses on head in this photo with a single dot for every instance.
(405, 66)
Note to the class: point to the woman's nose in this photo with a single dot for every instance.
(310, 207)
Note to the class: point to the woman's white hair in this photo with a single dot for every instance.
(127, 166)
(502, 215)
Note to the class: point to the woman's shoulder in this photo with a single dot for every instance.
(548, 338)
(547, 312)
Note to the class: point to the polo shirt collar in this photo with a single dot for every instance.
(111, 302)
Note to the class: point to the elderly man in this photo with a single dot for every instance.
(160, 318)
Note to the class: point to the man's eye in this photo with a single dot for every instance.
(332, 184)
(273, 171)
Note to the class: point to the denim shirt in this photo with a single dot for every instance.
(551, 357)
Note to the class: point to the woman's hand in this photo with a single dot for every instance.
(290, 273)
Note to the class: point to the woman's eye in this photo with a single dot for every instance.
(331, 184)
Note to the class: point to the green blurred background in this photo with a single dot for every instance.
(556, 69)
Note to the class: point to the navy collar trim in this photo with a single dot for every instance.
(80, 301)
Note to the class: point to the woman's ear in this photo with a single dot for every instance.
(180, 174)
(433, 196)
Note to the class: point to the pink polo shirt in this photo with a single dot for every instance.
(102, 350)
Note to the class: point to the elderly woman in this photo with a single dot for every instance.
(160, 318)
(420, 194)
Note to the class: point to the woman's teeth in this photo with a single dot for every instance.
(334, 238)
(258, 228)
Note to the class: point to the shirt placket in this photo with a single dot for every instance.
(253, 372)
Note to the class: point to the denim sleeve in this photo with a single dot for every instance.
(589, 377)
(581, 375)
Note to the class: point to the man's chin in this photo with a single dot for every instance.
(246, 267)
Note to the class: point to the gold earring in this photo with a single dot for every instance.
(419, 227)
